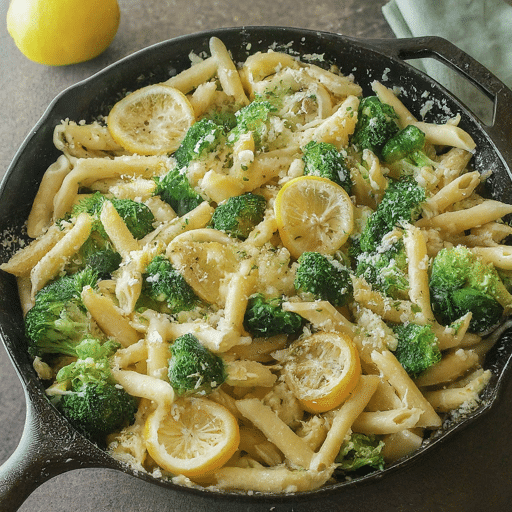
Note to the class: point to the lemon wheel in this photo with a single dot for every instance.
(152, 120)
(313, 214)
(206, 264)
(196, 437)
(322, 370)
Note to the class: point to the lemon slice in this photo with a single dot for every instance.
(196, 437)
(322, 370)
(205, 265)
(313, 214)
(152, 120)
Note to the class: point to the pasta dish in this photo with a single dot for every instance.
(252, 277)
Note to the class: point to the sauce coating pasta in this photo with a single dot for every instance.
(258, 128)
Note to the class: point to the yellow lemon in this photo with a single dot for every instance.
(152, 120)
(60, 32)
(196, 437)
(313, 214)
(322, 370)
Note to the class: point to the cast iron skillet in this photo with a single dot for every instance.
(49, 444)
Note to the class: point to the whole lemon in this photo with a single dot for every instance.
(60, 32)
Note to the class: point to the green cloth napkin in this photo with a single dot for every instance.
(481, 28)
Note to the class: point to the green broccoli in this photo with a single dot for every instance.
(193, 368)
(222, 116)
(265, 317)
(58, 321)
(92, 363)
(92, 205)
(400, 204)
(252, 118)
(163, 283)
(404, 144)
(95, 404)
(201, 138)
(175, 189)
(405, 153)
(98, 410)
(417, 348)
(239, 215)
(98, 251)
(68, 287)
(137, 216)
(103, 260)
(324, 277)
(360, 450)
(460, 283)
(323, 159)
(385, 269)
(376, 124)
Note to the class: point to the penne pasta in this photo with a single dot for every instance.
(446, 135)
(342, 422)
(258, 337)
(461, 220)
(109, 318)
(276, 431)
(406, 389)
(386, 422)
(41, 214)
(54, 260)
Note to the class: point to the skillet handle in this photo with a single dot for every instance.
(500, 129)
(43, 454)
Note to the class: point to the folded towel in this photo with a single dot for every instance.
(481, 28)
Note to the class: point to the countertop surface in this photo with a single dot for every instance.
(445, 481)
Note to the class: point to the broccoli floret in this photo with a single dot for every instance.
(323, 159)
(175, 189)
(239, 215)
(58, 321)
(405, 153)
(323, 277)
(376, 124)
(68, 287)
(163, 283)
(400, 204)
(98, 410)
(223, 117)
(460, 283)
(94, 404)
(417, 348)
(55, 327)
(104, 261)
(98, 251)
(92, 364)
(137, 216)
(265, 317)
(193, 368)
(252, 118)
(405, 143)
(360, 450)
(385, 269)
(201, 138)
(91, 204)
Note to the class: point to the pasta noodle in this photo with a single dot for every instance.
(41, 214)
(53, 261)
(235, 293)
